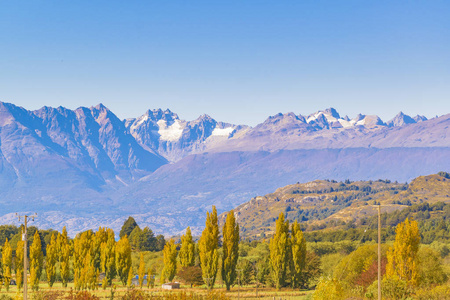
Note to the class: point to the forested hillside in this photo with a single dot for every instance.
(330, 204)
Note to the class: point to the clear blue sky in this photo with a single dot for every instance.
(239, 61)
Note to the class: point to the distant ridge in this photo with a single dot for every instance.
(86, 167)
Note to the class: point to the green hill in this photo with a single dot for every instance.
(323, 204)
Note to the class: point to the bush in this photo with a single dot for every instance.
(392, 288)
(441, 292)
(329, 289)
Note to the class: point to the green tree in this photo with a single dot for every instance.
(128, 227)
(298, 246)
(208, 248)
(6, 263)
(36, 261)
(187, 250)
(50, 261)
(123, 259)
(230, 249)
(64, 255)
(279, 251)
(141, 271)
(402, 257)
(170, 261)
(18, 261)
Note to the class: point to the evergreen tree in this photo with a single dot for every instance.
(50, 261)
(208, 248)
(128, 227)
(6, 263)
(187, 250)
(64, 254)
(123, 259)
(170, 261)
(141, 272)
(279, 251)
(402, 257)
(108, 261)
(230, 249)
(36, 261)
(298, 245)
(18, 261)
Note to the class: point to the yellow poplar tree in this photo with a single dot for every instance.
(36, 261)
(50, 261)
(123, 259)
(6, 263)
(141, 271)
(298, 262)
(170, 261)
(402, 257)
(19, 264)
(64, 253)
(150, 278)
(108, 258)
(279, 251)
(187, 250)
(81, 249)
(208, 248)
(230, 249)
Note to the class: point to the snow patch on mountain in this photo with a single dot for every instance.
(222, 131)
(172, 132)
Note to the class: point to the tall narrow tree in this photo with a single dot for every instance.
(402, 257)
(6, 263)
(141, 271)
(50, 261)
(64, 255)
(230, 249)
(298, 261)
(279, 251)
(36, 261)
(81, 250)
(109, 258)
(187, 250)
(170, 261)
(208, 248)
(18, 261)
(123, 259)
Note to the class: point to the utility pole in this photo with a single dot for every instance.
(25, 259)
(379, 251)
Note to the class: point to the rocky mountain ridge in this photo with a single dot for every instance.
(87, 167)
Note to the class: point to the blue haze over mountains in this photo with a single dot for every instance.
(86, 168)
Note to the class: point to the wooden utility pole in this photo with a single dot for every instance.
(379, 252)
(25, 259)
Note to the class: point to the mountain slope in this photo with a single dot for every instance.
(323, 201)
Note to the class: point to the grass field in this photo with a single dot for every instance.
(248, 292)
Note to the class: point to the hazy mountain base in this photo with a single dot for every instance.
(177, 195)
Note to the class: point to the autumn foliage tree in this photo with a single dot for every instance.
(36, 261)
(64, 255)
(18, 261)
(6, 263)
(402, 257)
(230, 249)
(123, 259)
(170, 261)
(187, 250)
(279, 251)
(298, 262)
(208, 248)
(50, 261)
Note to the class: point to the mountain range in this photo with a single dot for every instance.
(85, 168)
